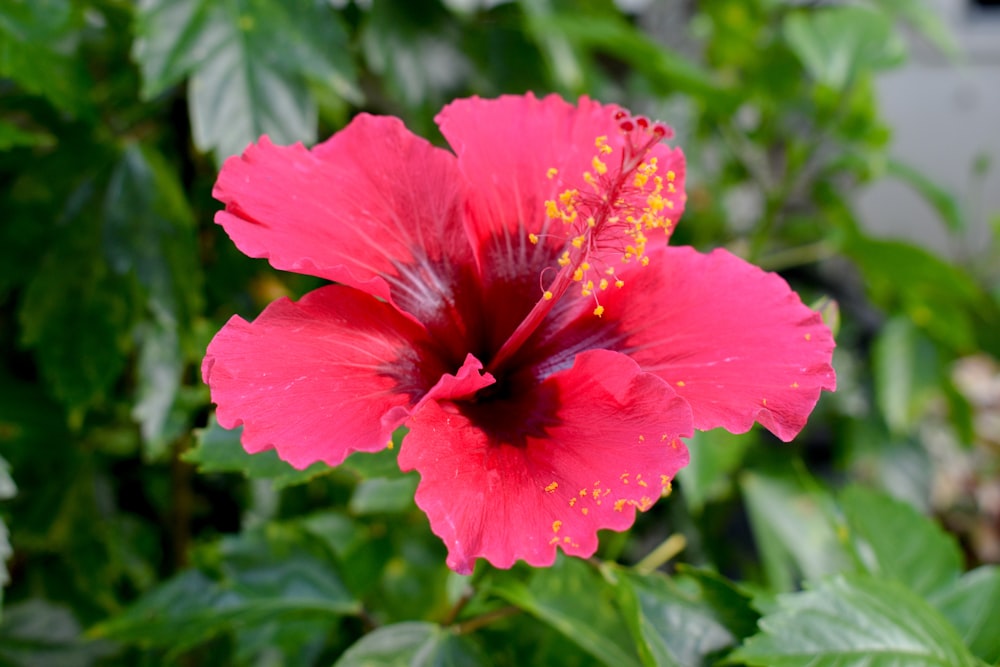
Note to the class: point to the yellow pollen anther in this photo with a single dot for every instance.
(533, 238)
(795, 385)
(390, 444)
(620, 504)
(551, 173)
(551, 487)
(564, 259)
(645, 261)
(578, 241)
(671, 176)
(619, 284)
(547, 295)
(578, 274)
(808, 336)
(599, 166)
(681, 383)
(552, 209)
(572, 501)
(603, 285)
(591, 222)
(556, 525)
(583, 493)
(599, 311)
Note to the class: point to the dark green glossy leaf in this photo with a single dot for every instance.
(412, 644)
(74, 291)
(837, 43)
(897, 542)
(554, 595)
(732, 606)
(672, 625)
(219, 450)
(971, 604)
(855, 620)
(241, 85)
(263, 576)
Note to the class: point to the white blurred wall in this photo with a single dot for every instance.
(945, 117)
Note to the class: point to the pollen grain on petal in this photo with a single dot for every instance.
(552, 487)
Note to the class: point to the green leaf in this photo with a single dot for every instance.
(381, 496)
(971, 605)
(793, 530)
(923, 16)
(74, 291)
(556, 596)
(148, 233)
(7, 490)
(944, 202)
(11, 136)
(219, 450)
(665, 69)
(855, 620)
(276, 573)
(241, 85)
(940, 298)
(37, 633)
(837, 43)
(906, 374)
(715, 455)
(671, 626)
(412, 644)
(38, 44)
(897, 542)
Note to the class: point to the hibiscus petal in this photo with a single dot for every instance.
(505, 149)
(735, 341)
(319, 378)
(610, 445)
(374, 207)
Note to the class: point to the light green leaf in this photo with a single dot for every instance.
(412, 644)
(907, 374)
(792, 530)
(554, 596)
(715, 455)
(897, 542)
(855, 620)
(939, 297)
(381, 496)
(944, 202)
(671, 626)
(972, 604)
(926, 19)
(219, 450)
(241, 85)
(837, 43)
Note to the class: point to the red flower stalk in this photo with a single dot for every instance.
(516, 306)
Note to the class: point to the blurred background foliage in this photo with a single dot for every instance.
(135, 531)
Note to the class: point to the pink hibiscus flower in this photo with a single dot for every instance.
(515, 305)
